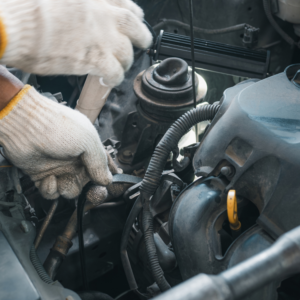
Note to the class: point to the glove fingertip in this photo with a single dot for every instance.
(146, 38)
(97, 195)
(37, 184)
(69, 186)
(48, 187)
(111, 73)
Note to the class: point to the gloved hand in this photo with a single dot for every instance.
(72, 36)
(56, 146)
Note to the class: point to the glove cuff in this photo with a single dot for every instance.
(14, 101)
(17, 19)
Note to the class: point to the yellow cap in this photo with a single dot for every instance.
(235, 224)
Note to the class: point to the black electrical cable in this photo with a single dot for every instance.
(80, 212)
(192, 50)
(151, 54)
(193, 60)
(151, 30)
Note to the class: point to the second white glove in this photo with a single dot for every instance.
(56, 146)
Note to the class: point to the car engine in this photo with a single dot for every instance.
(206, 130)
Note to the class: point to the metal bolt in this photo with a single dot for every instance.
(227, 171)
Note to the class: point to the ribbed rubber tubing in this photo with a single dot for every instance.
(38, 266)
(153, 175)
(156, 270)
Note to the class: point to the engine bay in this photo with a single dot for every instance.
(205, 131)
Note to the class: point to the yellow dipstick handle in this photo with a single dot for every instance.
(235, 224)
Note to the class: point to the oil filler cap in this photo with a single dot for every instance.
(232, 211)
(165, 90)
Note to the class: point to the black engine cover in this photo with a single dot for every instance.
(257, 133)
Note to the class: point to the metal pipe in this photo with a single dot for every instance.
(93, 97)
(96, 196)
(62, 244)
(64, 241)
(46, 223)
(278, 262)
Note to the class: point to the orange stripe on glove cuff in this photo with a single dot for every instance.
(3, 38)
(14, 101)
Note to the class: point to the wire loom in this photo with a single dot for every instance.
(153, 175)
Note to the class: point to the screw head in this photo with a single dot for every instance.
(227, 171)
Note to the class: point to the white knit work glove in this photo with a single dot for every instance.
(56, 146)
(72, 36)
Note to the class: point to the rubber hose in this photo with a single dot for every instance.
(136, 209)
(157, 271)
(39, 267)
(170, 141)
(152, 179)
(80, 213)
(286, 37)
(200, 30)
